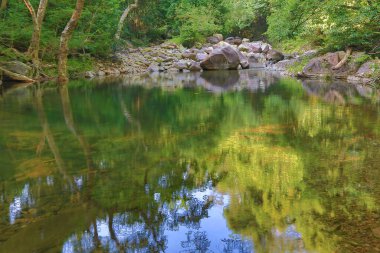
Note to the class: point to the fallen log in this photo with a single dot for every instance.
(14, 76)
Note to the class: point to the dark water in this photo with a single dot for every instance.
(218, 162)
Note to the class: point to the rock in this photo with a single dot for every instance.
(189, 55)
(208, 50)
(168, 45)
(256, 49)
(256, 60)
(265, 48)
(195, 66)
(222, 58)
(89, 74)
(283, 65)
(221, 44)
(153, 68)
(181, 65)
(367, 69)
(18, 68)
(219, 36)
(101, 73)
(274, 56)
(213, 40)
(230, 40)
(310, 53)
(323, 66)
(244, 63)
(234, 41)
(364, 73)
(244, 48)
(245, 40)
(238, 41)
(201, 56)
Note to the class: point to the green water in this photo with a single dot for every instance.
(223, 162)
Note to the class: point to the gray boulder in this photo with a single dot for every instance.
(222, 58)
(18, 68)
(213, 40)
(226, 57)
(195, 67)
(201, 56)
(274, 56)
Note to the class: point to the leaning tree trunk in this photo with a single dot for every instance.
(64, 41)
(344, 60)
(124, 16)
(34, 47)
(3, 5)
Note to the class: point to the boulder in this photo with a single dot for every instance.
(234, 40)
(364, 73)
(237, 41)
(265, 48)
(153, 68)
(219, 36)
(188, 54)
(256, 60)
(245, 40)
(222, 58)
(284, 64)
(195, 67)
(213, 40)
(201, 56)
(18, 68)
(208, 50)
(323, 66)
(244, 48)
(230, 40)
(368, 68)
(222, 44)
(274, 56)
(244, 63)
(89, 74)
(181, 65)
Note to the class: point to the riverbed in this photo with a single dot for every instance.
(233, 161)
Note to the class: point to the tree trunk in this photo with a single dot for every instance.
(64, 41)
(34, 47)
(14, 76)
(3, 5)
(124, 16)
(344, 60)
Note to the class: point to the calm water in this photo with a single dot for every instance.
(217, 162)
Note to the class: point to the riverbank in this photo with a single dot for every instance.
(232, 53)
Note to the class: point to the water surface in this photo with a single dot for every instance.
(214, 162)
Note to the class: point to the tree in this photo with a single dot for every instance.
(37, 19)
(124, 16)
(3, 5)
(64, 41)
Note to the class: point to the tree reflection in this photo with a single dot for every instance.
(134, 169)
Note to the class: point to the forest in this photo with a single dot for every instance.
(47, 32)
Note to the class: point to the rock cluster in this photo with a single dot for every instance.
(216, 54)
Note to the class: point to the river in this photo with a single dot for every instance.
(195, 162)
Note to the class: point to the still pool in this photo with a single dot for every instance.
(214, 162)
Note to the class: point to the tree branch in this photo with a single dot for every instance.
(124, 16)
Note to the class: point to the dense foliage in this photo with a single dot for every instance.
(329, 24)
